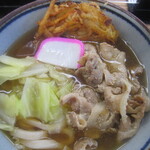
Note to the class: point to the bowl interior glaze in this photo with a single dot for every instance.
(132, 30)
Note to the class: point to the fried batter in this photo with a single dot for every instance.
(83, 21)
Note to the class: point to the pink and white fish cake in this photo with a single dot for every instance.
(62, 52)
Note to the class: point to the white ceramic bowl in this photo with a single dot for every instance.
(131, 29)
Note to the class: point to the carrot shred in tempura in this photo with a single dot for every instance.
(83, 21)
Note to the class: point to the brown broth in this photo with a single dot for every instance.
(26, 46)
(132, 60)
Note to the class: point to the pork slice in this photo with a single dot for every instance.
(89, 48)
(92, 69)
(115, 69)
(128, 129)
(80, 110)
(101, 87)
(135, 110)
(77, 120)
(77, 103)
(108, 52)
(90, 94)
(101, 118)
(135, 86)
(85, 143)
(132, 75)
(138, 105)
(114, 90)
(118, 103)
(136, 71)
(114, 79)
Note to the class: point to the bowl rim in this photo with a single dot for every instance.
(14, 13)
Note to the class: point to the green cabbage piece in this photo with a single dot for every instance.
(38, 93)
(39, 100)
(65, 89)
(6, 127)
(16, 62)
(9, 104)
(57, 76)
(11, 68)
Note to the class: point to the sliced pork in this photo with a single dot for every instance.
(136, 107)
(78, 121)
(91, 95)
(109, 53)
(127, 130)
(85, 144)
(101, 118)
(77, 103)
(92, 68)
(80, 109)
(112, 99)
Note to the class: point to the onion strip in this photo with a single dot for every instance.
(42, 144)
(29, 135)
(55, 127)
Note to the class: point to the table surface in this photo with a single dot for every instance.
(124, 5)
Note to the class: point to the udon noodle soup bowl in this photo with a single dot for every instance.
(131, 30)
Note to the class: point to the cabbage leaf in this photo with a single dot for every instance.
(40, 88)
